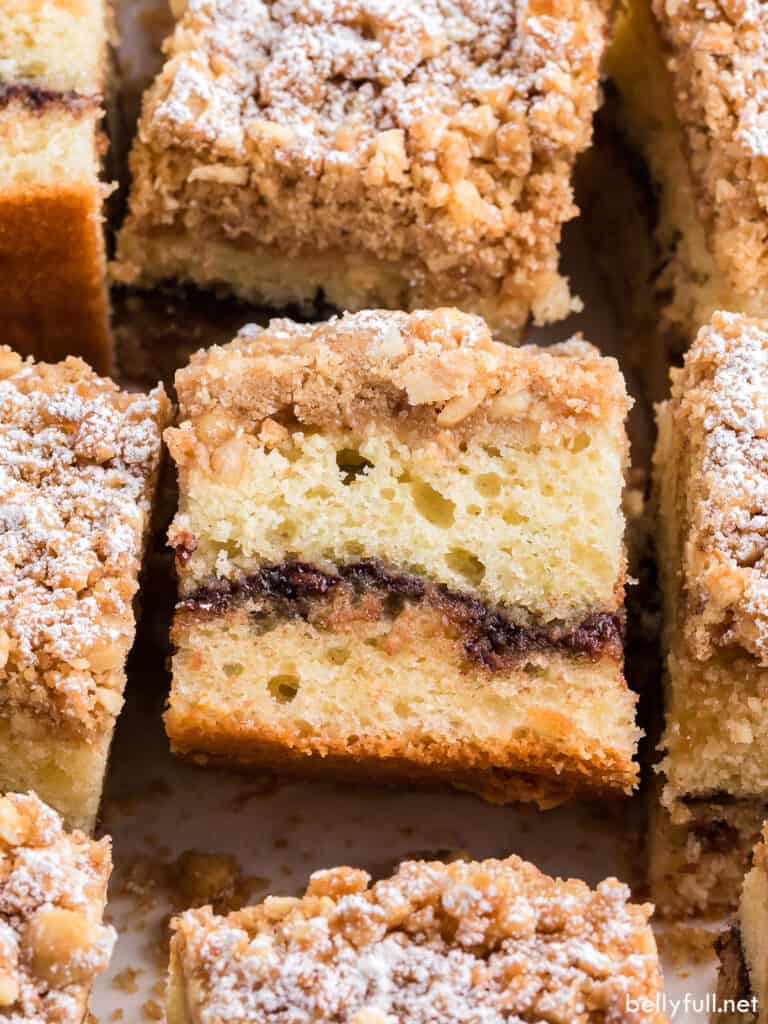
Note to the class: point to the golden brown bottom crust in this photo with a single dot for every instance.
(553, 781)
(52, 266)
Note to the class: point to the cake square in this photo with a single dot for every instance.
(53, 70)
(400, 555)
(53, 887)
(494, 940)
(691, 79)
(711, 473)
(416, 154)
(79, 461)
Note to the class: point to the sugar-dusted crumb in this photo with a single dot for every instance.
(718, 53)
(496, 937)
(435, 371)
(719, 406)
(52, 893)
(78, 459)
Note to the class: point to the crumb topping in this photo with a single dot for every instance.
(495, 941)
(78, 461)
(719, 409)
(431, 374)
(438, 136)
(719, 64)
(52, 892)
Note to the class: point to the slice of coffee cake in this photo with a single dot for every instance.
(405, 155)
(53, 887)
(79, 460)
(400, 554)
(53, 60)
(495, 941)
(693, 99)
(711, 468)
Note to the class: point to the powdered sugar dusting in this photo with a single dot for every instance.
(488, 942)
(362, 65)
(722, 406)
(77, 466)
(719, 64)
(52, 893)
(435, 138)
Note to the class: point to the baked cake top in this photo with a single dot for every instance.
(78, 459)
(494, 939)
(325, 78)
(52, 891)
(719, 63)
(426, 127)
(54, 46)
(719, 410)
(432, 374)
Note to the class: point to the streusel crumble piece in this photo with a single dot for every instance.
(403, 155)
(712, 486)
(496, 941)
(53, 887)
(79, 460)
(400, 549)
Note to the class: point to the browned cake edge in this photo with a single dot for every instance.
(733, 984)
(53, 253)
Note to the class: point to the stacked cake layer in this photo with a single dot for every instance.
(79, 461)
(712, 486)
(691, 78)
(400, 553)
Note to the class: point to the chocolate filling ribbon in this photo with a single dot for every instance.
(492, 638)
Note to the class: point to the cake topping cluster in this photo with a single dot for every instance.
(327, 75)
(77, 464)
(495, 940)
(719, 399)
(433, 373)
(52, 890)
